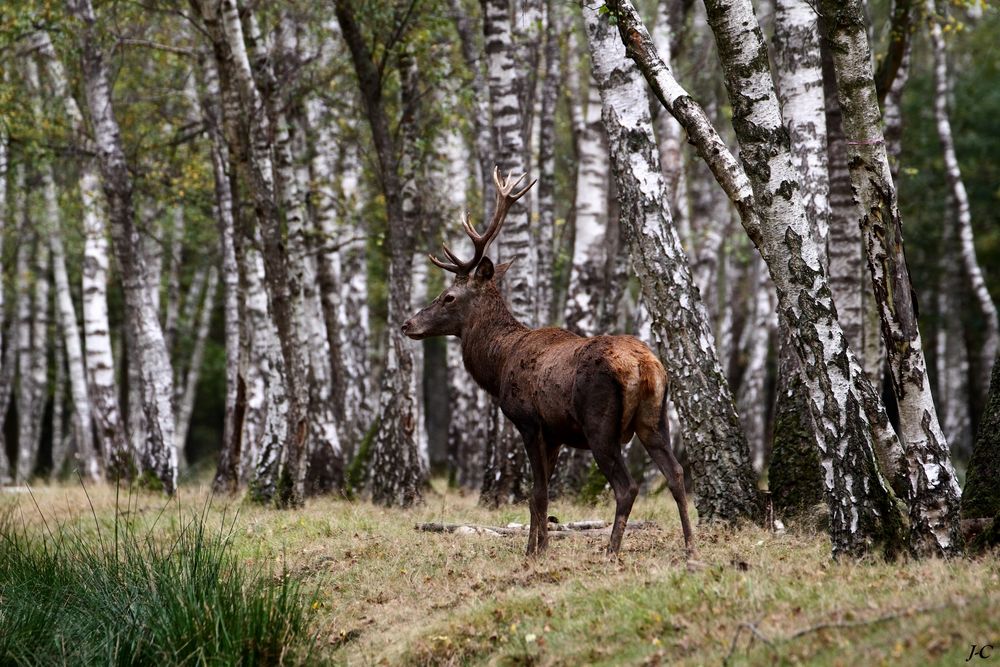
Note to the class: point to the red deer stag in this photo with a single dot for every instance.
(556, 387)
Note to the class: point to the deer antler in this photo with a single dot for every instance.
(505, 199)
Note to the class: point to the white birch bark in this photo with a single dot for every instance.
(545, 230)
(99, 360)
(85, 452)
(274, 198)
(6, 362)
(354, 330)
(668, 138)
(210, 110)
(157, 380)
(799, 69)
(864, 513)
(933, 494)
(171, 313)
(960, 202)
(588, 281)
(504, 479)
(752, 402)
(724, 483)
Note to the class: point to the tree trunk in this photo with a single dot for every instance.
(32, 314)
(724, 482)
(157, 383)
(482, 135)
(668, 136)
(6, 356)
(99, 361)
(795, 480)
(752, 399)
(504, 478)
(545, 231)
(85, 452)
(275, 205)
(934, 494)
(865, 514)
(397, 475)
(981, 499)
(962, 212)
(588, 279)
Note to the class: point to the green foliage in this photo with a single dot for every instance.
(124, 597)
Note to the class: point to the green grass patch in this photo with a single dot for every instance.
(141, 591)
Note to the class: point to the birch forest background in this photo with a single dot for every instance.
(215, 216)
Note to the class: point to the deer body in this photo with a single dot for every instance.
(556, 387)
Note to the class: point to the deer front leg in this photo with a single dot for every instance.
(539, 501)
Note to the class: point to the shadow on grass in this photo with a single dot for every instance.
(126, 593)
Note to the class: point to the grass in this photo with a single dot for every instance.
(123, 591)
(378, 592)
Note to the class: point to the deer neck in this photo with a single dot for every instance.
(488, 339)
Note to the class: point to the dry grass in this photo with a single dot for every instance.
(383, 593)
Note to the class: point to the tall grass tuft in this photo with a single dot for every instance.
(114, 595)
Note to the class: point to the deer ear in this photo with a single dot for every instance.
(501, 270)
(485, 270)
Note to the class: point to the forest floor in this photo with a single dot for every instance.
(381, 592)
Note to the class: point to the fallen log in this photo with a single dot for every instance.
(557, 530)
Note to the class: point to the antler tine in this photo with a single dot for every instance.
(481, 242)
(443, 265)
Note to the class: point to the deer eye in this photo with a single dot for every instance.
(448, 298)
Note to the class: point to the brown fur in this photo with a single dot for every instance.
(559, 388)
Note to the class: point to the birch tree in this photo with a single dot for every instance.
(504, 479)
(85, 452)
(588, 280)
(864, 511)
(98, 359)
(960, 202)
(934, 494)
(724, 483)
(397, 474)
(160, 456)
(31, 311)
(794, 477)
(6, 362)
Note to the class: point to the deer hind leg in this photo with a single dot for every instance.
(656, 440)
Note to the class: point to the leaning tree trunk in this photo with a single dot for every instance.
(794, 474)
(99, 361)
(85, 452)
(960, 202)
(157, 382)
(934, 494)
(865, 514)
(504, 478)
(669, 139)
(724, 482)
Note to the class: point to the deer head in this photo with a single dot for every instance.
(446, 315)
